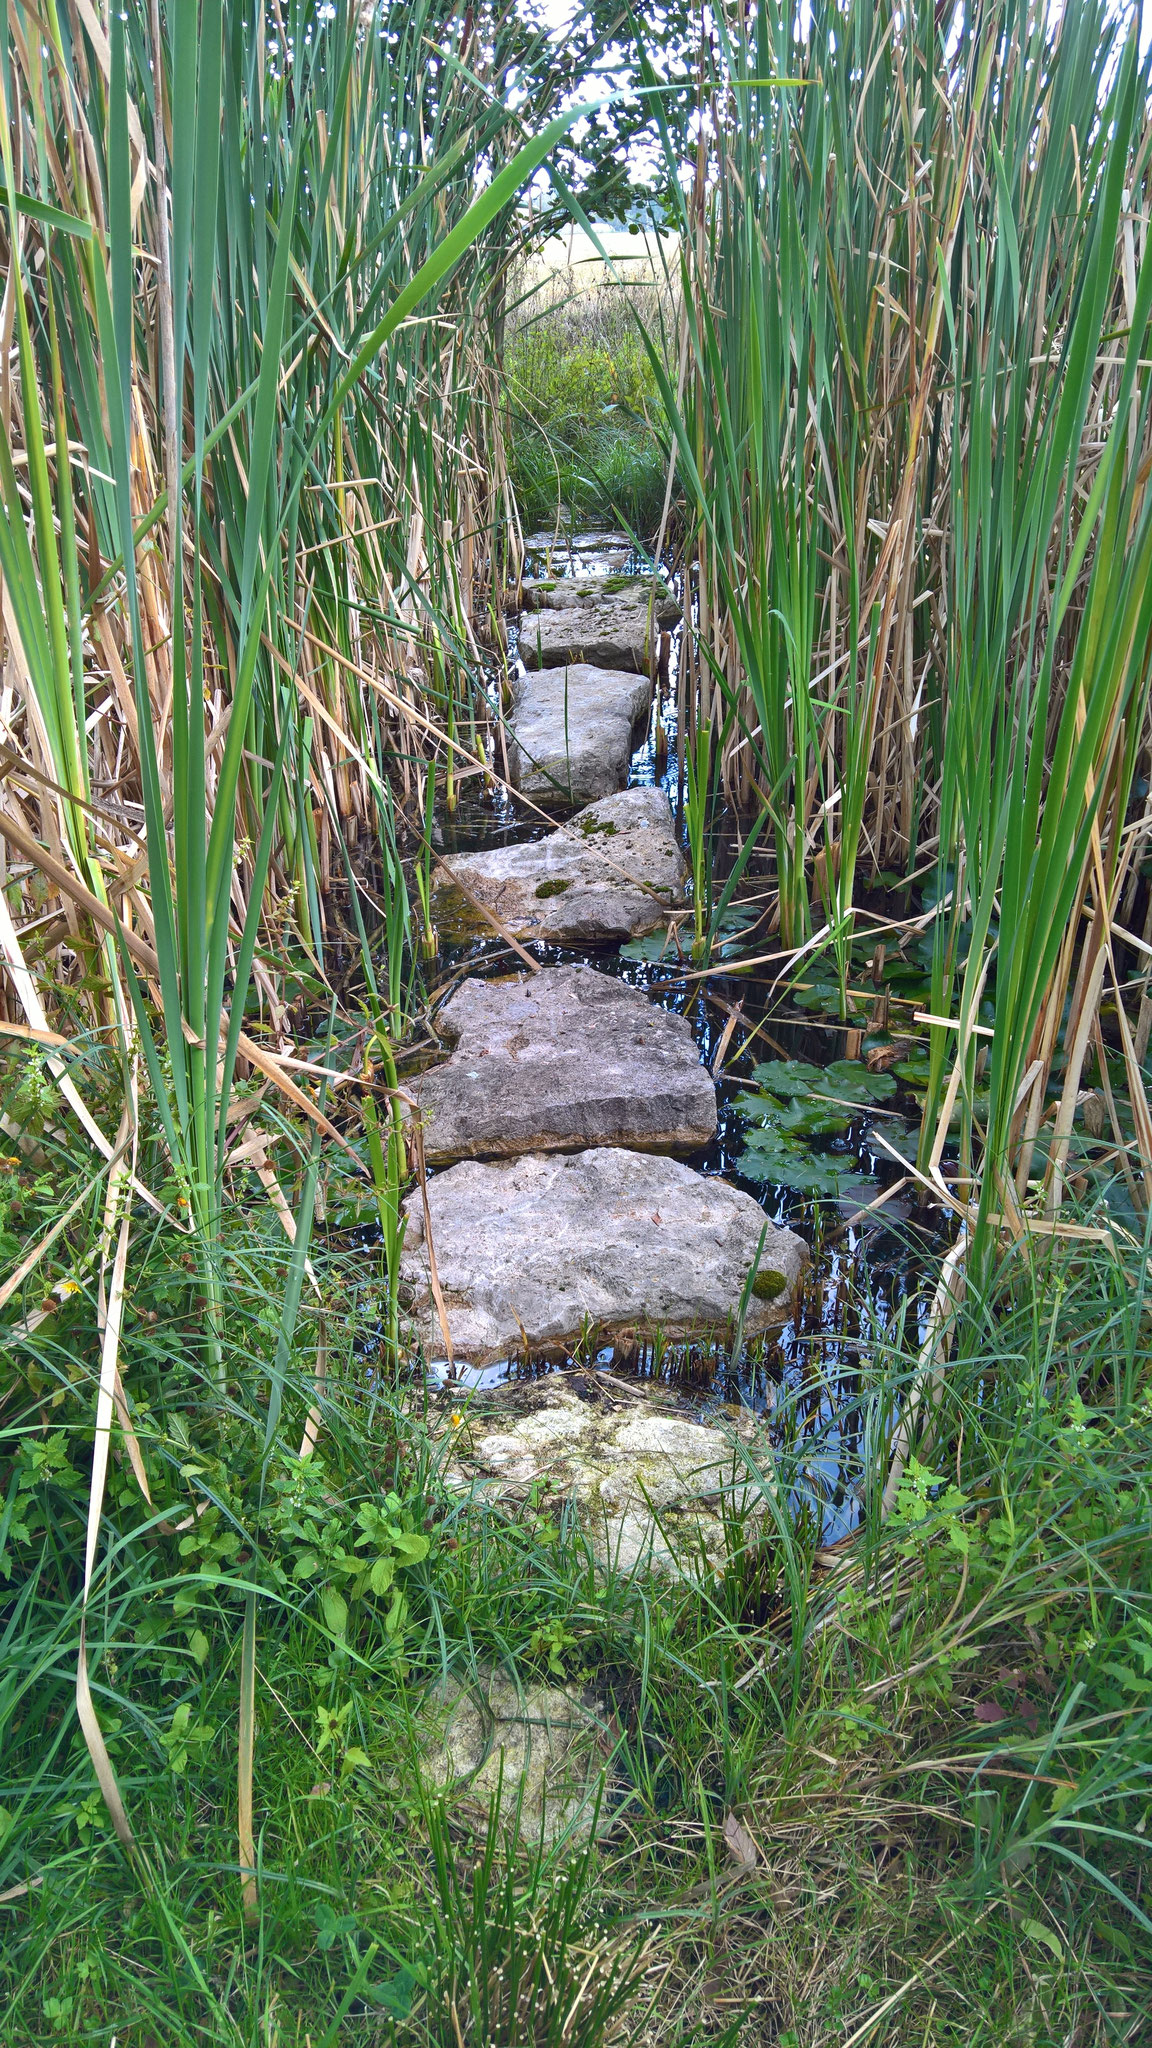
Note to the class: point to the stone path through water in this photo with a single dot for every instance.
(609, 621)
(531, 1248)
(557, 1211)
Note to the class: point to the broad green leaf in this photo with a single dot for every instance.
(335, 1609)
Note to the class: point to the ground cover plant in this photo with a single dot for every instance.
(275, 414)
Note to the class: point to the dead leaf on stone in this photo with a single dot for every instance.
(741, 1848)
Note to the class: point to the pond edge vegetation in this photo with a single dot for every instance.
(258, 526)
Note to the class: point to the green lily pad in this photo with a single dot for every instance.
(852, 1082)
(768, 1159)
(656, 946)
(800, 1117)
(842, 1081)
(788, 1077)
(902, 1138)
(824, 998)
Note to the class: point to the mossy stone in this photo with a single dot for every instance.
(768, 1284)
(588, 826)
(553, 888)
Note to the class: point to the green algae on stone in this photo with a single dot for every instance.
(555, 887)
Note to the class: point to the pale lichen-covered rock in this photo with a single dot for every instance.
(650, 1485)
(540, 1748)
(560, 1060)
(531, 1251)
(611, 621)
(571, 731)
(569, 593)
(612, 872)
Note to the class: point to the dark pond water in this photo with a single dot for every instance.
(819, 1162)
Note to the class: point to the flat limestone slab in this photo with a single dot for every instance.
(598, 619)
(611, 873)
(558, 1061)
(531, 1251)
(650, 1484)
(572, 729)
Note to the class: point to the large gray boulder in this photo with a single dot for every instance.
(560, 1060)
(572, 731)
(600, 619)
(613, 872)
(531, 1251)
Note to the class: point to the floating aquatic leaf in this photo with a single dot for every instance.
(824, 997)
(799, 1116)
(657, 946)
(787, 1077)
(842, 1081)
(769, 1158)
(895, 1134)
(851, 1082)
(734, 922)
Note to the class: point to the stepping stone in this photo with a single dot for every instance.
(579, 592)
(560, 545)
(540, 1750)
(571, 731)
(597, 619)
(560, 1060)
(611, 873)
(612, 556)
(649, 1482)
(530, 1251)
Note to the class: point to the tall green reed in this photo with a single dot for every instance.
(911, 308)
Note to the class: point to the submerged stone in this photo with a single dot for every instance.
(560, 1060)
(531, 1252)
(571, 731)
(612, 872)
(650, 1484)
(599, 619)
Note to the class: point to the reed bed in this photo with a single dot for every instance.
(911, 420)
(254, 521)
